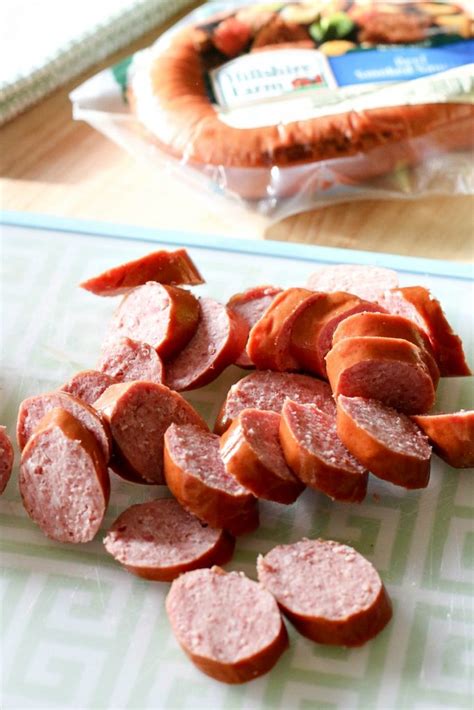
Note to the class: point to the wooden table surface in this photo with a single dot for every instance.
(54, 165)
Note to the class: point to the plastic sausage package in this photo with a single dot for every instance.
(281, 107)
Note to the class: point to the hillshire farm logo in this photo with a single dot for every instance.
(273, 80)
(266, 75)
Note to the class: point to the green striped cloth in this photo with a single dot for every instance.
(59, 40)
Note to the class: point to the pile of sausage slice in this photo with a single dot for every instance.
(343, 377)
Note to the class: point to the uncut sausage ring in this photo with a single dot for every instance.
(170, 93)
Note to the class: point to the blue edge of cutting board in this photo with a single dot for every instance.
(284, 250)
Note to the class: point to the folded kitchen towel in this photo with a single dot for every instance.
(44, 43)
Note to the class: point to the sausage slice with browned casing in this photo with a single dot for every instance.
(228, 625)
(252, 454)
(388, 443)
(317, 456)
(165, 267)
(64, 481)
(138, 414)
(159, 540)
(196, 476)
(329, 592)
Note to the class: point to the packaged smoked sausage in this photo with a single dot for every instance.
(284, 106)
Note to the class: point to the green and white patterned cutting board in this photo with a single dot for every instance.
(80, 632)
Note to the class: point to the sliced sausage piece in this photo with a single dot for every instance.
(33, 409)
(452, 436)
(166, 267)
(269, 342)
(251, 305)
(417, 303)
(138, 414)
(127, 360)
(388, 369)
(267, 390)
(219, 340)
(385, 441)
(159, 540)
(64, 483)
(388, 325)
(252, 454)
(88, 385)
(315, 453)
(6, 458)
(329, 592)
(165, 317)
(196, 476)
(367, 282)
(228, 625)
(312, 333)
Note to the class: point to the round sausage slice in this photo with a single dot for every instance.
(159, 540)
(388, 325)
(166, 267)
(417, 303)
(367, 282)
(138, 414)
(328, 591)
(228, 625)
(165, 317)
(452, 436)
(219, 340)
(251, 305)
(252, 453)
(88, 385)
(6, 458)
(64, 482)
(127, 360)
(315, 453)
(388, 369)
(267, 390)
(312, 333)
(196, 476)
(269, 342)
(33, 409)
(387, 442)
